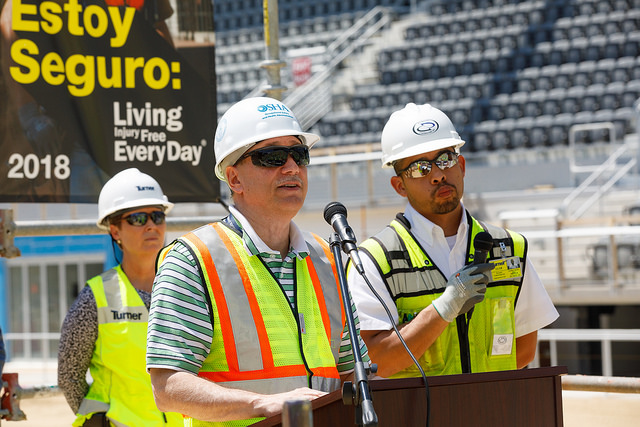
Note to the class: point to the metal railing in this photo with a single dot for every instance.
(604, 336)
(597, 172)
(10, 229)
(312, 100)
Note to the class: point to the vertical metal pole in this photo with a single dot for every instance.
(7, 231)
(297, 413)
(636, 107)
(553, 350)
(272, 63)
(607, 359)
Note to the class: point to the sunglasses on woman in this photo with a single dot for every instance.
(276, 156)
(139, 219)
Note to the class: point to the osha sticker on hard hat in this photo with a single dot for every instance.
(274, 110)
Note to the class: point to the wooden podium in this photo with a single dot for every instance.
(523, 398)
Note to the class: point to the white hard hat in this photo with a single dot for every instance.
(417, 129)
(250, 121)
(126, 190)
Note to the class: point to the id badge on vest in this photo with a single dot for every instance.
(502, 340)
(501, 308)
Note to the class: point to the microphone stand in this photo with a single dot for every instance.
(358, 394)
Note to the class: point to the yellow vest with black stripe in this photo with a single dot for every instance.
(121, 385)
(414, 281)
(260, 343)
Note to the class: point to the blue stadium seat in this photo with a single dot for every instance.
(583, 136)
(582, 75)
(482, 135)
(497, 106)
(502, 135)
(596, 48)
(630, 43)
(521, 132)
(526, 79)
(515, 106)
(565, 75)
(551, 105)
(411, 33)
(630, 94)
(546, 77)
(571, 102)
(540, 55)
(612, 97)
(591, 99)
(623, 69)
(540, 132)
(604, 70)
(534, 103)
(575, 50)
(558, 134)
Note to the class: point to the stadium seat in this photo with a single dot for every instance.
(591, 99)
(630, 43)
(558, 134)
(612, 97)
(482, 135)
(540, 131)
(547, 77)
(630, 94)
(604, 70)
(502, 134)
(515, 106)
(540, 55)
(521, 132)
(534, 103)
(623, 68)
(526, 79)
(583, 73)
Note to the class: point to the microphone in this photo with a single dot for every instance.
(336, 215)
(482, 244)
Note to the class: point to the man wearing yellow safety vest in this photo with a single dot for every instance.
(456, 314)
(246, 312)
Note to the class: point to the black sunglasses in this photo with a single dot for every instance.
(139, 219)
(276, 156)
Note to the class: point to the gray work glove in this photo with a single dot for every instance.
(465, 288)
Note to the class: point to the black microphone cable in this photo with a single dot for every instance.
(404, 344)
(335, 213)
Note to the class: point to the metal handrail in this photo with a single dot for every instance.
(596, 171)
(604, 336)
(307, 104)
(88, 226)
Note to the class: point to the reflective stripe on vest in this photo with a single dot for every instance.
(121, 386)
(252, 315)
(413, 282)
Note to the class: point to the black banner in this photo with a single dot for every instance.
(90, 88)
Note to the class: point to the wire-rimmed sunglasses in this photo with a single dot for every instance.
(139, 219)
(276, 156)
(421, 168)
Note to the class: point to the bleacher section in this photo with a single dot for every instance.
(511, 74)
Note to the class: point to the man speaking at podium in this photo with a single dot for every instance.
(246, 312)
(463, 301)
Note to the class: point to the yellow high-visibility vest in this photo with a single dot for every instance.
(121, 385)
(484, 343)
(260, 343)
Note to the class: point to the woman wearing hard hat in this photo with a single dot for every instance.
(105, 330)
